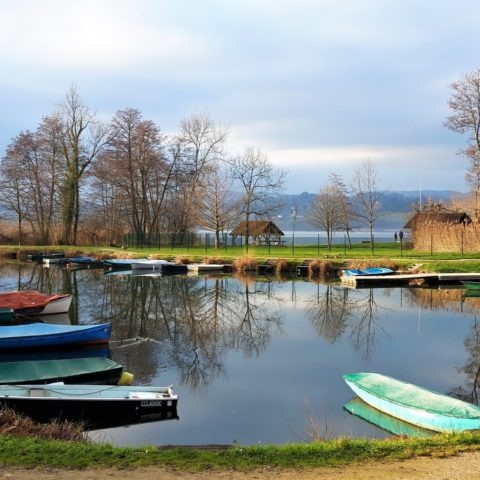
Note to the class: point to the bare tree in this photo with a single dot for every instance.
(13, 186)
(201, 142)
(260, 182)
(347, 214)
(326, 211)
(465, 119)
(217, 204)
(472, 178)
(135, 155)
(364, 186)
(83, 139)
(331, 210)
(30, 169)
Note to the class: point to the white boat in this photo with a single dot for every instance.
(99, 406)
(150, 265)
(205, 267)
(31, 302)
(163, 266)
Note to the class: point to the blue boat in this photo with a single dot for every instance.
(82, 260)
(39, 335)
(368, 271)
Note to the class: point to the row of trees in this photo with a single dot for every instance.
(126, 175)
(339, 207)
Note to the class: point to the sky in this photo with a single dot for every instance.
(319, 86)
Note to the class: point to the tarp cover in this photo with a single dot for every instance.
(27, 299)
(403, 393)
(38, 370)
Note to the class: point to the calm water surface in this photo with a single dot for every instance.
(253, 359)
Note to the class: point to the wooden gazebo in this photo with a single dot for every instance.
(263, 232)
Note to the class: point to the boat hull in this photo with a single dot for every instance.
(373, 271)
(82, 370)
(205, 267)
(159, 266)
(393, 425)
(386, 395)
(31, 302)
(89, 405)
(41, 335)
(471, 285)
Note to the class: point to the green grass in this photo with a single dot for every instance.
(358, 250)
(430, 261)
(33, 452)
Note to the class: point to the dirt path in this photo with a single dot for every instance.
(461, 467)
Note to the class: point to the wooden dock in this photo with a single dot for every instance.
(427, 279)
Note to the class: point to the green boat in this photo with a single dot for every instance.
(90, 370)
(416, 405)
(386, 422)
(6, 314)
(471, 285)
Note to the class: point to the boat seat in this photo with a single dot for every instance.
(38, 392)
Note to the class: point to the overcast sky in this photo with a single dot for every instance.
(317, 85)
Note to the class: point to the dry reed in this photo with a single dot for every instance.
(245, 264)
(214, 261)
(11, 423)
(321, 268)
(281, 267)
(181, 259)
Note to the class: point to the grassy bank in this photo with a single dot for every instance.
(385, 254)
(34, 452)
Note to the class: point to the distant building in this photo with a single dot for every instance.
(440, 230)
(263, 232)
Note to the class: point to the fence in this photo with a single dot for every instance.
(172, 240)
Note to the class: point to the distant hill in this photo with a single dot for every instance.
(395, 207)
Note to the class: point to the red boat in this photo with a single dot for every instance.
(31, 302)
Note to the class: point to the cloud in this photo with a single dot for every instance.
(398, 167)
(106, 35)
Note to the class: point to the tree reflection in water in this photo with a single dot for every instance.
(334, 311)
(192, 323)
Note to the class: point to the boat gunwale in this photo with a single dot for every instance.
(415, 407)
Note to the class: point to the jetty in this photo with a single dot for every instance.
(413, 279)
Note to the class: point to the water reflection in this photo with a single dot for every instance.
(190, 322)
(219, 338)
(333, 312)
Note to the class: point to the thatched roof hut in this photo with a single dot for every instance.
(440, 218)
(443, 231)
(263, 232)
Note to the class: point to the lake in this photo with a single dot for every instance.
(256, 360)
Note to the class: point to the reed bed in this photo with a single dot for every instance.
(245, 264)
(321, 268)
(374, 262)
(11, 423)
(215, 261)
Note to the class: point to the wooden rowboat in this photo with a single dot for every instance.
(31, 302)
(162, 266)
(372, 271)
(416, 405)
(99, 406)
(470, 285)
(393, 425)
(39, 335)
(90, 370)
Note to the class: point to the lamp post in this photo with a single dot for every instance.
(294, 217)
